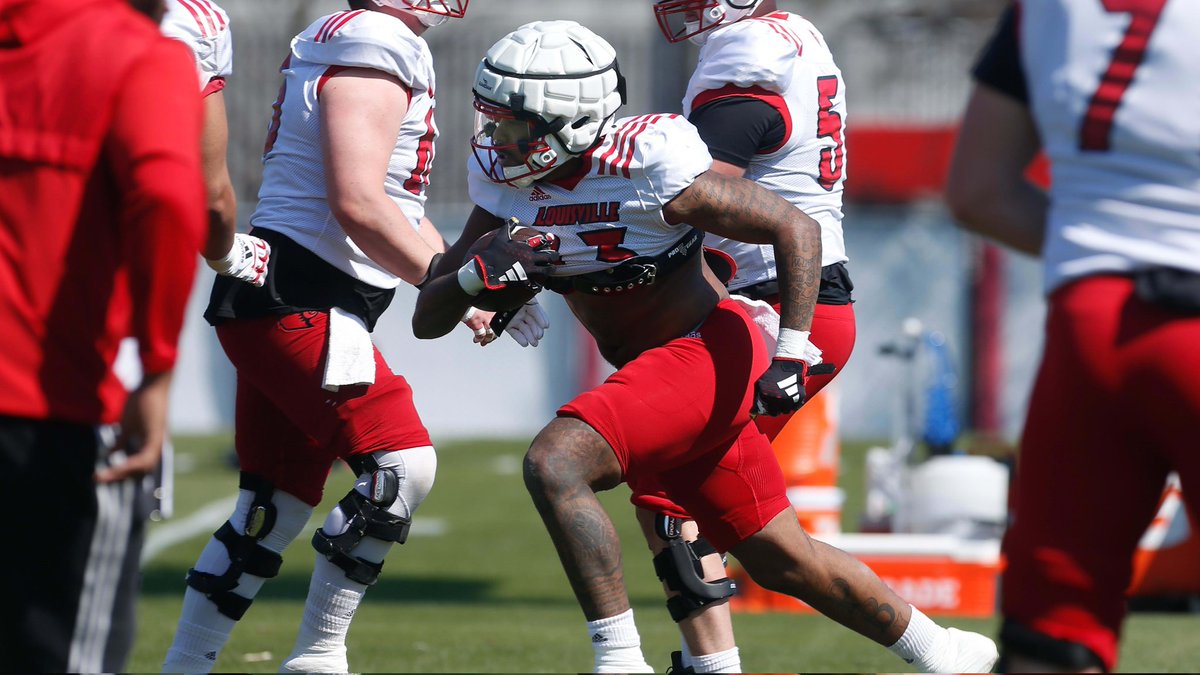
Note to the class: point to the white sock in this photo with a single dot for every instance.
(685, 653)
(727, 661)
(617, 645)
(332, 602)
(921, 643)
(196, 645)
(333, 598)
(203, 631)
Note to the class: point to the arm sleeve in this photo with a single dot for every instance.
(737, 128)
(999, 66)
(153, 151)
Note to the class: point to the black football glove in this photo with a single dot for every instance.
(780, 390)
(506, 262)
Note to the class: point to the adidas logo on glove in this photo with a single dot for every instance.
(514, 273)
(791, 386)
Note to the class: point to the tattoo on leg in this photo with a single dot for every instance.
(581, 530)
(875, 615)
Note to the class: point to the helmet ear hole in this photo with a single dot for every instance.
(580, 122)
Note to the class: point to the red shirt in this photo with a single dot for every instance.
(102, 206)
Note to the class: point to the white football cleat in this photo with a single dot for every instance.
(969, 652)
(323, 663)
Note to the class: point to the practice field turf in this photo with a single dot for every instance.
(478, 587)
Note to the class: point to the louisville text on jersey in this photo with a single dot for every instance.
(579, 214)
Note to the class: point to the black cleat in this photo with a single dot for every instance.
(677, 665)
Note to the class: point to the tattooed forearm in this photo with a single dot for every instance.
(740, 209)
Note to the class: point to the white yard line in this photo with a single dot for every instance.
(205, 520)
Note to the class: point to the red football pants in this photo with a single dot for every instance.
(833, 332)
(678, 416)
(1116, 406)
(287, 428)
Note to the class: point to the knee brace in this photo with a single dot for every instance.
(1017, 639)
(366, 516)
(679, 568)
(245, 554)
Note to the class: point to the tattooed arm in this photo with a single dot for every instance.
(740, 209)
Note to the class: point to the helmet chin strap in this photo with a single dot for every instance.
(543, 162)
(429, 19)
(716, 15)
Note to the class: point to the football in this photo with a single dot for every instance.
(514, 295)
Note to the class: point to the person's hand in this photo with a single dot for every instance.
(528, 325)
(511, 258)
(143, 430)
(780, 390)
(479, 321)
(247, 260)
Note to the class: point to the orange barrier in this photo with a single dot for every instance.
(1167, 561)
(809, 453)
(941, 574)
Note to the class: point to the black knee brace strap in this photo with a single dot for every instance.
(680, 569)
(366, 517)
(1017, 639)
(245, 555)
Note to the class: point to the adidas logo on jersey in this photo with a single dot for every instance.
(538, 194)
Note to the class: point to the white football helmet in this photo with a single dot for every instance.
(429, 12)
(544, 93)
(682, 20)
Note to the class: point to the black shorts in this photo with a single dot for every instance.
(70, 571)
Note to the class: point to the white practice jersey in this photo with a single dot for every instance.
(292, 199)
(1119, 119)
(612, 210)
(782, 60)
(204, 28)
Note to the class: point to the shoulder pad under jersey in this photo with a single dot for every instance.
(661, 153)
(365, 39)
(204, 27)
(749, 53)
(482, 191)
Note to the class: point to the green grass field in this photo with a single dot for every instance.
(487, 594)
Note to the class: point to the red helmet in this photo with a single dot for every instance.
(430, 12)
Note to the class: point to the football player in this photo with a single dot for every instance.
(628, 201)
(1107, 90)
(770, 103)
(204, 27)
(346, 169)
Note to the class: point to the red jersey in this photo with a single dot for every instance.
(102, 207)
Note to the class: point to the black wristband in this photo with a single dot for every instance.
(433, 263)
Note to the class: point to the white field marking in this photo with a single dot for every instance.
(209, 517)
(507, 465)
(206, 519)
